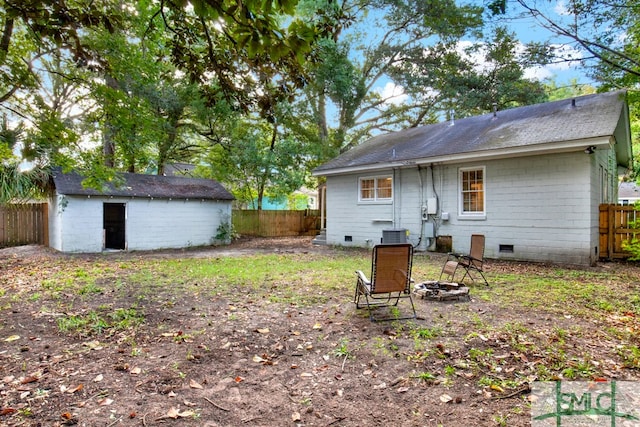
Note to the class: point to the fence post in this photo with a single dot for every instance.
(3, 231)
(611, 219)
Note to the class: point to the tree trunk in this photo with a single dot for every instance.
(108, 144)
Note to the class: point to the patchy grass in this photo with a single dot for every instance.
(175, 323)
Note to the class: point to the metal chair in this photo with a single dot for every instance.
(390, 280)
(472, 263)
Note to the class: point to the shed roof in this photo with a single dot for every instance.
(628, 190)
(138, 185)
(538, 127)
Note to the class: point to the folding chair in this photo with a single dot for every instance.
(390, 280)
(472, 263)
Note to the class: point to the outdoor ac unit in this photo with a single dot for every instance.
(394, 236)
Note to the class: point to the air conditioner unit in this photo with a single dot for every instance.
(394, 236)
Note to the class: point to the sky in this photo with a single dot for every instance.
(527, 30)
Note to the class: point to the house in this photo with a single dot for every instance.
(529, 178)
(299, 200)
(628, 193)
(143, 212)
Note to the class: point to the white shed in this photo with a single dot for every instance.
(142, 212)
(530, 179)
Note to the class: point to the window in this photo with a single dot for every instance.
(374, 189)
(472, 191)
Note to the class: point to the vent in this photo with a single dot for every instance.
(348, 238)
(394, 236)
(506, 249)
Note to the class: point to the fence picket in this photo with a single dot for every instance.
(23, 224)
(271, 223)
(615, 230)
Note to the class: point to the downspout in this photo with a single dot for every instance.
(393, 207)
(421, 183)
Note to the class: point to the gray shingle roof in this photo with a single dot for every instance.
(584, 117)
(138, 185)
(628, 189)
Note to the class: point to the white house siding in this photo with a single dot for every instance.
(542, 205)
(76, 223)
(604, 160)
(158, 223)
(348, 219)
(55, 224)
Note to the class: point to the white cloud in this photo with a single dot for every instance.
(561, 8)
(392, 93)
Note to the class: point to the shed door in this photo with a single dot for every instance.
(114, 225)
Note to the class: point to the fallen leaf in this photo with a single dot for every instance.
(403, 389)
(317, 325)
(194, 384)
(295, 417)
(258, 359)
(98, 378)
(29, 379)
(135, 371)
(105, 402)
(496, 388)
(76, 388)
(172, 413)
(7, 411)
(24, 394)
(263, 330)
(445, 398)
(12, 338)
(238, 379)
(93, 345)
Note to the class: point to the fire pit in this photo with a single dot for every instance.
(441, 291)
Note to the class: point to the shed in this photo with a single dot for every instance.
(529, 178)
(140, 212)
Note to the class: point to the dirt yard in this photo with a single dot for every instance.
(212, 361)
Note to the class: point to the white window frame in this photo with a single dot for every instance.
(475, 214)
(375, 198)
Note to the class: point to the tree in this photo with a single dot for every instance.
(416, 51)
(244, 155)
(606, 30)
(490, 75)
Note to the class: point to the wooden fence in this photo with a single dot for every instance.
(267, 223)
(615, 228)
(23, 224)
